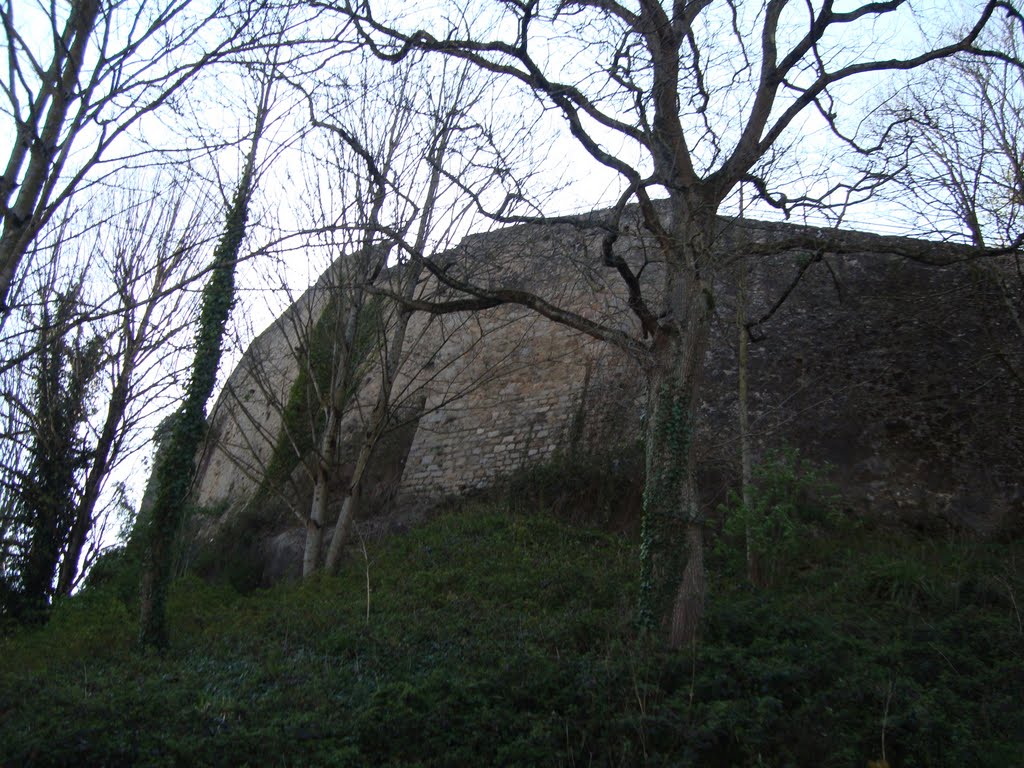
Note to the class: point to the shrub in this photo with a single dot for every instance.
(790, 503)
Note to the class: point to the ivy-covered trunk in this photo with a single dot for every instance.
(673, 583)
(672, 531)
(175, 466)
(65, 369)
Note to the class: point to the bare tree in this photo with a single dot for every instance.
(701, 96)
(78, 78)
(446, 108)
(150, 255)
(960, 139)
(382, 150)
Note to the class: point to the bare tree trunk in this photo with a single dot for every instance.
(349, 510)
(315, 525)
(84, 519)
(746, 465)
(688, 608)
(378, 421)
(343, 527)
(327, 451)
(326, 461)
(102, 458)
(372, 260)
(392, 360)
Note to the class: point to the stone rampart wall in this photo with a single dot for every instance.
(900, 374)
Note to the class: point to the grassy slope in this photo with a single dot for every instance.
(497, 639)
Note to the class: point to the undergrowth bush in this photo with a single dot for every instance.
(790, 503)
(603, 490)
(235, 554)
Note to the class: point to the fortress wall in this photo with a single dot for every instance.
(899, 374)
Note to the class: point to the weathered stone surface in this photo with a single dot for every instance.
(898, 373)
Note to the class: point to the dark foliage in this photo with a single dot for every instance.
(496, 638)
(42, 502)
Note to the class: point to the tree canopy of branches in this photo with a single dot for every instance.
(685, 101)
(961, 143)
(78, 79)
(383, 154)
